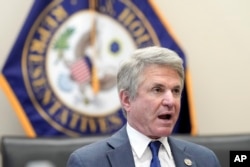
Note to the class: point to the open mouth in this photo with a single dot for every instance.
(165, 116)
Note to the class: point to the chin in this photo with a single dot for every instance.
(165, 132)
(157, 132)
(159, 135)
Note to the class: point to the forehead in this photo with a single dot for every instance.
(155, 69)
(160, 73)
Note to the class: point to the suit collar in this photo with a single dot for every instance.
(121, 148)
(181, 157)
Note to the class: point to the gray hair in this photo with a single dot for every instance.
(129, 73)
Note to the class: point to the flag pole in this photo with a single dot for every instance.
(94, 77)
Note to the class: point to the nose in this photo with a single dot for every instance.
(168, 98)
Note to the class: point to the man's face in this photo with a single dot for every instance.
(156, 107)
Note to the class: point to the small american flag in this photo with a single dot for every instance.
(80, 71)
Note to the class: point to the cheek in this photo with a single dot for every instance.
(178, 104)
(145, 108)
(177, 108)
(141, 109)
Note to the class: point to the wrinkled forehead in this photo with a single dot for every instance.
(157, 69)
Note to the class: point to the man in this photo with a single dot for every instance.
(150, 84)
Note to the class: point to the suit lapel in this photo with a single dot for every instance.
(181, 157)
(121, 155)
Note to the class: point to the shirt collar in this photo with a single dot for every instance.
(139, 142)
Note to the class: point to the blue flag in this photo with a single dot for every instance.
(60, 75)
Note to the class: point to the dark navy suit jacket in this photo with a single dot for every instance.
(116, 151)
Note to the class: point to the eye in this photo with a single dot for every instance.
(176, 91)
(157, 89)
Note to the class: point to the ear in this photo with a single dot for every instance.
(125, 101)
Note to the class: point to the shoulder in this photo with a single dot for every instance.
(186, 145)
(88, 154)
(200, 153)
(96, 147)
(105, 144)
(189, 147)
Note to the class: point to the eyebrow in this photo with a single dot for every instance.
(161, 85)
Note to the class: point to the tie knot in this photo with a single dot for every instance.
(154, 147)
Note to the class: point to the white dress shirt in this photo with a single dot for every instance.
(142, 153)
